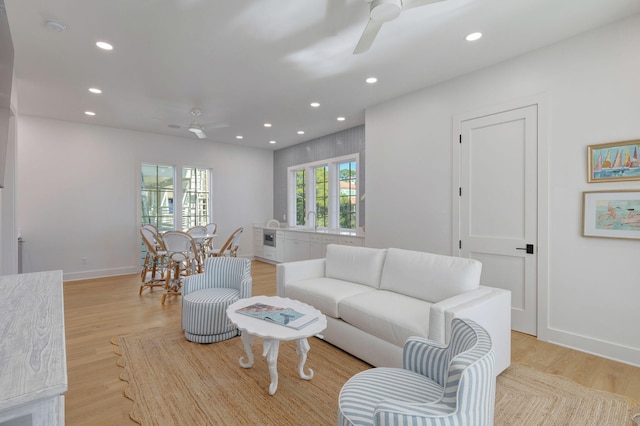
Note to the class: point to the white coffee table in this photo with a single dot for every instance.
(272, 334)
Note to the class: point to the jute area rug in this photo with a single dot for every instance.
(174, 382)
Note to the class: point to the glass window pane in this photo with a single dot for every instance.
(301, 196)
(195, 197)
(322, 196)
(348, 194)
(156, 196)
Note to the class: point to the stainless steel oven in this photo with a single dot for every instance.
(269, 238)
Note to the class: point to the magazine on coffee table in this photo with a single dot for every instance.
(288, 317)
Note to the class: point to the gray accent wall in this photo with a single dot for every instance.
(345, 142)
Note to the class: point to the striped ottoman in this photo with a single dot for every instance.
(204, 315)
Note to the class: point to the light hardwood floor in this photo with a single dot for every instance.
(97, 310)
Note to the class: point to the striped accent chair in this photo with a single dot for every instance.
(438, 385)
(206, 296)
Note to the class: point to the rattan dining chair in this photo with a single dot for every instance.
(182, 261)
(230, 247)
(155, 261)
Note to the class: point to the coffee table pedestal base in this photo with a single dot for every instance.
(270, 349)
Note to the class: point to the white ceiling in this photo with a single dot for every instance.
(247, 62)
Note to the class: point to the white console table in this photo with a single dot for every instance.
(33, 363)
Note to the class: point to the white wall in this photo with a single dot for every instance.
(78, 192)
(591, 82)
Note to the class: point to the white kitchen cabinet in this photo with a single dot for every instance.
(315, 246)
(280, 247)
(350, 240)
(318, 244)
(292, 245)
(296, 246)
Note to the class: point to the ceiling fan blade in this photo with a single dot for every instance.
(409, 4)
(368, 36)
(197, 130)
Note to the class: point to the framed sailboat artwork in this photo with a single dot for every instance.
(615, 161)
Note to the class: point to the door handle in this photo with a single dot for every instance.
(528, 248)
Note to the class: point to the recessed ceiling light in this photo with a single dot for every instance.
(56, 26)
(340, 118)
(267, 124)
(272, 142)
(301, 132)
(371, 80)
(104, 45)
(91, 113)
(315, 104)
(473, 36)
(95, 90)
(239, 137)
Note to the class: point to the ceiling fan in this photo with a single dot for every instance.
(197, 128)
(381, 11)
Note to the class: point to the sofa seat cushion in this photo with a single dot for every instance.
(324, 294)
(362, 265)
(428, 276)
(387, 315)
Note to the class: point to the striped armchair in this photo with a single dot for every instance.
(438, 385)
(206, 296)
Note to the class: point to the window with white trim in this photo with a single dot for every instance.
(327, 200)
(164, 204)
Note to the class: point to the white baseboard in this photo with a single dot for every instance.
(85, 275)
(601, 348)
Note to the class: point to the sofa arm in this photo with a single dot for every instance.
(439, 328)
(487, 306)
(296, 271)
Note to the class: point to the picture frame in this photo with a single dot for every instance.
(611, 214)
(615, 161)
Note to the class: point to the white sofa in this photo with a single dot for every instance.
(374, 299)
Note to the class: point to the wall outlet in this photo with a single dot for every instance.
(284, 217)
(83, 261)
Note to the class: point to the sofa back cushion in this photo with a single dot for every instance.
(428, 276)
(360, 265)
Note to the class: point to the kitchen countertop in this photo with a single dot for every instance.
(313, 231)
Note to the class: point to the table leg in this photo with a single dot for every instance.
(270, 350)
(302, 347)
(247, 339)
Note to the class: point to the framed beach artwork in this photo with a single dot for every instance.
(611, 214)
(616, 161)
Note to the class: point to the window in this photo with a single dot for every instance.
(165, 205)
(157, 196)
(300, 196)
(348, 194)
(322, 197)
(330, 198)
(196, 197)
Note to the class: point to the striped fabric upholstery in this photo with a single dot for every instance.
(206, 296)
(439, 385)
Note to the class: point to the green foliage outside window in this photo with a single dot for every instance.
(348, 194)
(322, 197)
(301, 197)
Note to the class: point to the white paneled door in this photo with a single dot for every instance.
(498, 205)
